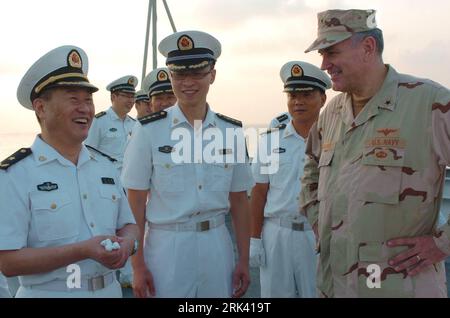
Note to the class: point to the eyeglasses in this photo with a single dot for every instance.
(129, 96)
(192, 75)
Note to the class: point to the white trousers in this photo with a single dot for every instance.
(291, 260)
(190, 264)
(113, 290)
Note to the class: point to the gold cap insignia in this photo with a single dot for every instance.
(185, 43)
(162, 76)
(297, 71)
(381, 154)
(74, 59)
(131, 81)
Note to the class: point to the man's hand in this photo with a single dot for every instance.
(422, 253)
(241, 280)
(143, 286)
(111, 259)
(257, 253)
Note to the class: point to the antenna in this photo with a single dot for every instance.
(152, 19)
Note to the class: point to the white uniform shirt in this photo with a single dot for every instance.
(283, 194)
(181, 192)
(110, 134)
(47, 201)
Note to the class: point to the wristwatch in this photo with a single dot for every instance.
(135, 247)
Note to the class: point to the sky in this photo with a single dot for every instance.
(257, 37)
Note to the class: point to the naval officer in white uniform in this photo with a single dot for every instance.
(60, 200)
(159, 89)
(112, 128)
(187, 250)
(282, 242)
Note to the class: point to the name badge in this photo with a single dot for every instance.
(166, 149)
(279, 150)
(47, 186)
(112, 129)
(227, 151)
(108, 181)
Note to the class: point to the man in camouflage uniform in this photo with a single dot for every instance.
(373, 180)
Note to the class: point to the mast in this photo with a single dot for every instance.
(152, 19)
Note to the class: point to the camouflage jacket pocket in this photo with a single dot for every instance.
(324, 166)
(381, 173)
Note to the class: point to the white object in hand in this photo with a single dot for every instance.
(257, 253)
(106, 242)
(115, 246)
(109, 245)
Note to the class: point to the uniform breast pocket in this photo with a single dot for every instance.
(109, 202)
(381, 174)
(53, 215)
(324, 167)
(167, 176)
(218, 177)
(111, 137)
(281, 177)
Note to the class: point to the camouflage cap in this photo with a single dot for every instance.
(338, 25)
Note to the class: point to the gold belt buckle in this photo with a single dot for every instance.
(298, 226)
(203, 226)
(96, 283)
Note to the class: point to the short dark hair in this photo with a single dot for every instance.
(46, 95)
(376, 33)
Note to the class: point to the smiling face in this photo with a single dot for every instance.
(345, 64)
(122, 102)
(163, 101)
(65, 114)
(191, 87)
(304, 106)
(143, 108)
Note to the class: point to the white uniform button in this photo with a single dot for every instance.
(298, 198)
(200, 187)
(53, 206)
(167, 166)
(85, 196)
(114, 197)
(92, 224)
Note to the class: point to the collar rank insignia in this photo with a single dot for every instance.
(101, 153)
(112, 129)
(274, 129)
(15, 158)
(282, 118)
(108, 180)
(230, 120)
(279, 150)
(101, 114)
(166, 149)
(227, 151)
(47, 186)
(153, 117)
